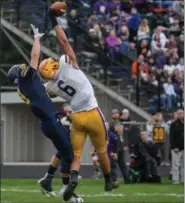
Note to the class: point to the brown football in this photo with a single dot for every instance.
(59, 8)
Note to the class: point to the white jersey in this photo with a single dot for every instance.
(72, 85)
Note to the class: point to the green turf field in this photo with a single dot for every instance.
(92, 191)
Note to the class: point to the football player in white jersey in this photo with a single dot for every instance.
(66, 80)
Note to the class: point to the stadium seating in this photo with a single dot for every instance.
(100, 62)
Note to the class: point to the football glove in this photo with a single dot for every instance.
(36, 32)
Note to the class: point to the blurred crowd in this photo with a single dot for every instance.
(151, 33)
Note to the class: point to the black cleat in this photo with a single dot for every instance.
(69, 192)
(46, 185)
(108, 186)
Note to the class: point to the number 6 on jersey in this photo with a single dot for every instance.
(66, 88)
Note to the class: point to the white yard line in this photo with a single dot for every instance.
(101, 194)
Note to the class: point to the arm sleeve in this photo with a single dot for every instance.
(28, 73)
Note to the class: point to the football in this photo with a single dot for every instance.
(59, 8)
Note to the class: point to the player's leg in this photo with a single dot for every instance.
(65, 180)
(98, 135)
(54, 130)
(46, 181)
(78, 137)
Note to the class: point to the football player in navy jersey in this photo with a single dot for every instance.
(32, 92)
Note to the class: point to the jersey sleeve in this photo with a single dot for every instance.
(64, 59)
(27, 73)
(65, 62)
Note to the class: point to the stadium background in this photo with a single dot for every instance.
(25, 152)
(21, 142)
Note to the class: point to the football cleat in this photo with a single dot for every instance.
(108, 186)
(68, 193)
(46, 186)
(75, 198)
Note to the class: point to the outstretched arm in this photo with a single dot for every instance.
(35, 53)
(62, 39)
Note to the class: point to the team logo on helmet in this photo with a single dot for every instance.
(48, 68)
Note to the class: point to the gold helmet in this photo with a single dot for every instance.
(48, 68)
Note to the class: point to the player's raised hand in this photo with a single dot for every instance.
(36, 32)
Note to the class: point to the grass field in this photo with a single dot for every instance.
(92, 191)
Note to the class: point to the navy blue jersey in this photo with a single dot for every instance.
(32, 91)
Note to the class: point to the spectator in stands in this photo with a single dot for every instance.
(114, 17)
(124, 37)
(94, 40)
(132, 51)
(112, 39)
(177, 148)
(111, 42)
(156, 45)
(123, 19)
(139, 67)
(160, 44)
(133, 24)
(158, 40)
(101, 8)
(180, 66)
(143, 30)
(153, 88)
(143, 48)
(124, 33)
(162, 59)
(98, 32)
(92, 20)
(169, 67)
(169, 93)
(171, 43)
